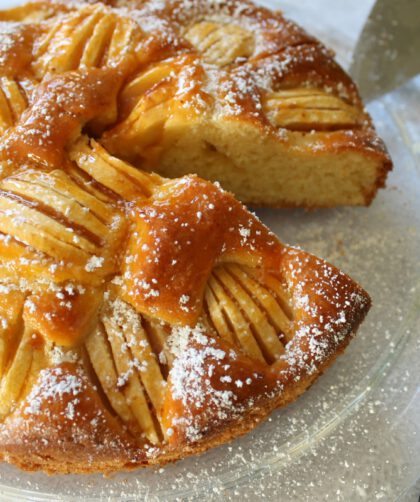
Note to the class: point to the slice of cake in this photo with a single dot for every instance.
(250, 100)
(227, 90)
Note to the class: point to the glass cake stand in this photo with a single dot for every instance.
(355, 435)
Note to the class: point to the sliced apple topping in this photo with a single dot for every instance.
(91, 37)
(310, 109)
(13, 102)
(243, 310)
(54, 215)
(221, 44)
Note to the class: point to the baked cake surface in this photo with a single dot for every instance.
(142, 319)
(226, 90)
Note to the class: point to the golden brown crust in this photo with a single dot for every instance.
(62, 426)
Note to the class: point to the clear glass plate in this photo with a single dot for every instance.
(355, 435)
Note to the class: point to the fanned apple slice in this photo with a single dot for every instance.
(43, 233)
(97, 45)
(217, 316)
(51, 213)
(264, 332)
(70, 208)
(277, 287)
(15, 95)
(266, 299)
(6, 117)
(128, 379)
(237, 320)
(11, 306)
(145, 81)
(75, 187)
(14, 380)
(113, 173)
(64, 46)
(125, 37)
(101, 359)
(13, 102)
(158, 334)
(145, 359)
(93, 36)
(310, 109)
(220, 44)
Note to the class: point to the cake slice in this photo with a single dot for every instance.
(259, 105)
(232, 92)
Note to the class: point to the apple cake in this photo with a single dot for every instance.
(223, 89)
(142, 318)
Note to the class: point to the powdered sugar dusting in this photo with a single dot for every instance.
(195, 356)
(54, 387)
